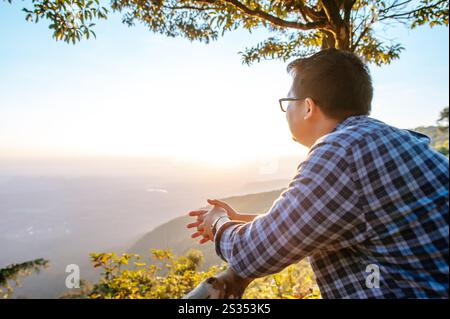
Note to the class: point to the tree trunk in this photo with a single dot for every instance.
(328, 40)
(343, 38)
(339, 38)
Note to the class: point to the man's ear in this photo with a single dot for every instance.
(310, 108)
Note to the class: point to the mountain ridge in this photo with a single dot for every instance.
(173, 235)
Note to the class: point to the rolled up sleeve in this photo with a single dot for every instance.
(319, 210)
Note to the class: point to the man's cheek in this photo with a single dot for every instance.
(290, 120)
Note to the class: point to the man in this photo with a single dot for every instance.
(368, 206)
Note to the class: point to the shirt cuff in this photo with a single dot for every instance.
(219, 233)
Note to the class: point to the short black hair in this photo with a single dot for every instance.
(338, 81)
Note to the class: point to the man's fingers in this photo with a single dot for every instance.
(200, 217)
(219, 203)
(204, 240)
(198, 212)
(195, 235)
(194, 224)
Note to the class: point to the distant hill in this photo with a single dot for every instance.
(263, 186)
(175, 236)
(438, 137)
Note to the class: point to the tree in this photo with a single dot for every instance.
(443, 119)
(14, 271)
(443, 123)
(298, 27)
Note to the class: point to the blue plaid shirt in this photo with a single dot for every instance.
(368, 206)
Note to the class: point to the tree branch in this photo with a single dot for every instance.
(394, 5)
(363, 33)
(348, 5)
(332, 12)
(406, 15)
(322, 23)
(189, 8)
(310, 12)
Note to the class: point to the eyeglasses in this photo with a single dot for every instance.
(284, 102)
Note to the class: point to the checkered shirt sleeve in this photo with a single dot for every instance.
(319, 210)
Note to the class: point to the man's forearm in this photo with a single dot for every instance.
(246, 217)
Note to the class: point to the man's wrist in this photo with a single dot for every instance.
(219, 221)
(222, 227)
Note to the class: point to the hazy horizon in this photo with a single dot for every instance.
(72, 211)
(131, 92)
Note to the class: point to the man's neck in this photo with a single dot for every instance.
(325, 128)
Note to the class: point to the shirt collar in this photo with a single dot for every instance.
(348, 121)
(345, 122)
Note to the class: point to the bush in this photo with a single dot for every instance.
(166, 276)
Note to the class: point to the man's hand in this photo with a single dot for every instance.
(234, 215)
(204, 221)
(200, 215)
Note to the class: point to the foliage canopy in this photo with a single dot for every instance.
(296, 27)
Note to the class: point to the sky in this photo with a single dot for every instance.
(134, 93)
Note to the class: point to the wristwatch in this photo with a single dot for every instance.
(214, 224)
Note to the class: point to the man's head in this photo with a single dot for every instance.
(332, 85)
